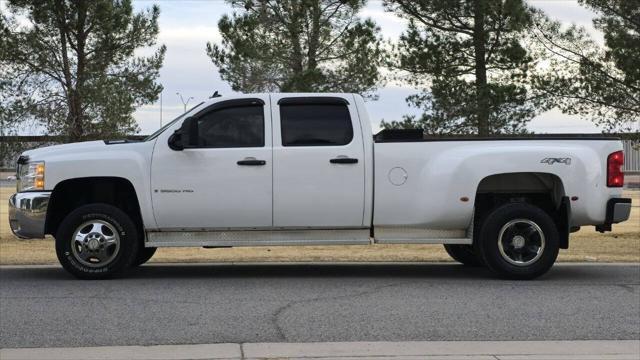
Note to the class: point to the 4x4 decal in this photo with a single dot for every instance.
(551, 161)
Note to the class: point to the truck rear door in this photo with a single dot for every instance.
(318, 162)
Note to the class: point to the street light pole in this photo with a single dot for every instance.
(184, 103)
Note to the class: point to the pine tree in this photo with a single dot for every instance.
(468, 57)
(72, 68)
(583, 78)
(298, 46)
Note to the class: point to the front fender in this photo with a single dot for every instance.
(130, 161)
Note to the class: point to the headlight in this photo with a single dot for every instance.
(31, 176)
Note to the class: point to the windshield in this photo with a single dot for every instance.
(159, 131)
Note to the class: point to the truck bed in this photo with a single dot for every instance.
(418, 135)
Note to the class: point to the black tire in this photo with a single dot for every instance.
(536, 230)
(144, 254)
(463, 254)
(104, 219)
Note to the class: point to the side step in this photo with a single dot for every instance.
(231, 238)
(258, 238)
(461, 241)
(409, 235)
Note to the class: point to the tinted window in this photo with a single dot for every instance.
(232, 127)
(315, 125)
(162, 129)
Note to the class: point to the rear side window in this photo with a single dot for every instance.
(315, 125)
(232, 127)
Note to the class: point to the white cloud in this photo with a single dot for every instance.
(554, 121)
(190, 34)
(570, 12)
(390, 25)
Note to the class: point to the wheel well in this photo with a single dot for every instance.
(543, 190)
(70, 194)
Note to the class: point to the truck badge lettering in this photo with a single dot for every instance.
(551, 161)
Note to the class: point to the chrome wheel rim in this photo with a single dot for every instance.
(521, 242)
(95, 243)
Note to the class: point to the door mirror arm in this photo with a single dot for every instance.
(175, 141)
(186, 136)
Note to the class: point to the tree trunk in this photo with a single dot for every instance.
(297, 64)
(75, 117)
(314, 35)
(74, 120)
(482, 90)
(81, 39)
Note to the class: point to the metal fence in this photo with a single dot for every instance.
(631, 157)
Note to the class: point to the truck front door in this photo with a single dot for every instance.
(226, 181)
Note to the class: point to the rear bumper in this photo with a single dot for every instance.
(618, 210)
(27, 214)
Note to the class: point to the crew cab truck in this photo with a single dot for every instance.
(304, 169)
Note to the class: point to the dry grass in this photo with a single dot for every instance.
(621, 245)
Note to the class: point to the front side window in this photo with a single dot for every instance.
(315, 125)
(232, 127)
(169, 124)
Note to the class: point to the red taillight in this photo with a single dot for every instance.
(615, 176)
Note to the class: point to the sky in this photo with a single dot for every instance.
(186, 26)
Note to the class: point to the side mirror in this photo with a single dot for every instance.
(175, 141)
(186, 136)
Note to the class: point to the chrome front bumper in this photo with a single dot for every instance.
(27, 214)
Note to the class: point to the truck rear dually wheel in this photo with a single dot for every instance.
(518, 241)
(96, 241)
(463, 254)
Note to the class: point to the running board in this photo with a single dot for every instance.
(460, 241)
(282, 238)
(411, 235)
(257, 238)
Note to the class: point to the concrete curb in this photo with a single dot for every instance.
(156, 352)
(449, 350)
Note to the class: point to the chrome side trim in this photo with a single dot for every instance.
(27, 214)
(413, 233)
(461, 241)
(257, 238)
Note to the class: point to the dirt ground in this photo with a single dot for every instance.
(621, 245)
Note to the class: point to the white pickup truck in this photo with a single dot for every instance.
(304, 169)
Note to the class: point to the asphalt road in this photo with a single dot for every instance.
(182, 304)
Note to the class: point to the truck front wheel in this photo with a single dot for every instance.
(96, 241)
(144, 255)
(463, 254)
(518, 241)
